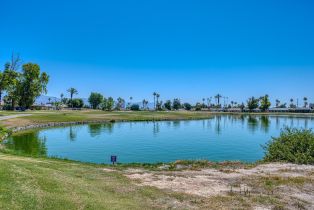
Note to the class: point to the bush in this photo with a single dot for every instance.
(187, 106)
(135, 107)
(76, 103)
(293, 145)
(198, 107)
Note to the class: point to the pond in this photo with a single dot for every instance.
(220, 138)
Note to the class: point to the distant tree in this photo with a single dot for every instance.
(145, 103)
(277, 103)
(77, 103)
(252, 103)
(61, 97)
(265, 103)
(95, 99)
(305, 102)
(157, 99)
(218, 97)
(198, 106)
(154, 94)
(283, 105)
(159, 106)
(187, 106)
(176, 104)
(107, 104)
(120, 103)
(292, 104)
(130, 103)
(49, 99)
(168, 105)
(135, 107)
(242, 107)
(203, 105)
(209, 102)
(72, 92)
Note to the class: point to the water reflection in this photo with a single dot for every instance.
(252, 123)
(156, 128)
(265, 123)
(108, 127)
(29, 143)
(94, 129)
(72, 133)
(218, 125)
(97, 129)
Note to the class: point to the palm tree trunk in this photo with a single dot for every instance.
(154, 103)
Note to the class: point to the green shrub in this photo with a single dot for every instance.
(293, 145)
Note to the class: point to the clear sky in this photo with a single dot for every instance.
(185, 49)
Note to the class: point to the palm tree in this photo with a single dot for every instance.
(144, 102)
(61, 96)
(154, 94)
(49, 99)
(218, 96)
(72, 92)
(157, 96)
(305, 102)
(291, 103)
(232, 103)
(277, 103)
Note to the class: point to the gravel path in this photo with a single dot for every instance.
(13, 116)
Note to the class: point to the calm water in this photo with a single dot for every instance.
(220, 138)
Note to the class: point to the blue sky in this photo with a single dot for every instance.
(186, 49)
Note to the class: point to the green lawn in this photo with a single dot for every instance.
(28, 183)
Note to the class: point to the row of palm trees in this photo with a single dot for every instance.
(72, 91)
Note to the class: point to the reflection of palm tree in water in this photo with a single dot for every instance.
(277, 123)
(218, 125)
(72, 133)
(156, 129)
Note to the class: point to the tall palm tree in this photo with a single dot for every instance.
(72, 92)
(218, 97)
(61, 97)
(277, 102)
(144, 102)
(157, 96)
(291, 103)
(305, 102)
(154, 94)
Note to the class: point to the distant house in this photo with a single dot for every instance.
(279, 110)
(234, 109)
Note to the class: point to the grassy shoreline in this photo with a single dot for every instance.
(47, 183)
(86, 116)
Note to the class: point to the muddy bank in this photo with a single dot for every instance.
(285, 182)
